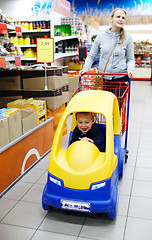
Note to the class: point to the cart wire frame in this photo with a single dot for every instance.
(93, 81)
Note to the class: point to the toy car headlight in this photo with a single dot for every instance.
(97, 186)
(55, 181)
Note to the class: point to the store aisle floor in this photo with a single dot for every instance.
(22, 217)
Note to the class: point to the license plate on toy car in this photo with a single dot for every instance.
(77, 206)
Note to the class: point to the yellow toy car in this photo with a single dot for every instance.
(80, 177)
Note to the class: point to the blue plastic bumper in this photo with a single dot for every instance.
(100, 198)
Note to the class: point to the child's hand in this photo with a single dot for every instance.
(86, 139)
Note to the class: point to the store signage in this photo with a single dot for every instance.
(62, 7)
(2, 62)
(17, 61)
(3, 28)
(82, 53)
(18, 31)
(45, 50)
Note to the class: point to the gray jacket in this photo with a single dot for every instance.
(122, 57)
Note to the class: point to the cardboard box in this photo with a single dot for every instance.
(31, 105)
(34, 79)
(64, 75)
(65, 93)
(73, 83)
(29, 121)
(4, 132)
(9, 96)
(15, 127)
(14, 122)
(53, 98)
(10, 80)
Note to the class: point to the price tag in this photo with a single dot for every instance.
(2, 62)
(18, 61)
(45, 50)
(3, 28)
(18, 31)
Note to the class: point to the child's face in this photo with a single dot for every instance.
(84, 122)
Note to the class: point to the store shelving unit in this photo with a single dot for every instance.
(12, 58)
(10, 28)
(64, 55)
(58, 39)
(32, 33)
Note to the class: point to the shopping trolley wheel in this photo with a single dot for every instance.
(126, 156)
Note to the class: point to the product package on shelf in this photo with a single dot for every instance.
(14, 122)
(31, 105)
(75, 23)
(4, 131)
(29, 120)
(62, 30)
(74, 65)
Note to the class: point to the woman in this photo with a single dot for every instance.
(116, 50)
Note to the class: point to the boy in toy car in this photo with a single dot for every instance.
(87, 130)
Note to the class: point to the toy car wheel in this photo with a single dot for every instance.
(126, 156)
(113, 213)
(46, 207)
(121, 164)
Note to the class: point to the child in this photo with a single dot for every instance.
(87, 130)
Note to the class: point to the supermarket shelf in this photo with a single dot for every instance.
(10, 27)
(61, 38)
(12, 58)
(29, 59)
(27, 46)
(34, 31)
(63, 55)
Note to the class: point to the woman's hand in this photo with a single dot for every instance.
(82, 72)
(130, 73)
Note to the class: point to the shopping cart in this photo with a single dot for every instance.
(95, 81)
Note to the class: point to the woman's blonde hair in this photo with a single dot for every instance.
(122, 30)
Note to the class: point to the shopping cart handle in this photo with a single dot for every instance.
(94, 73)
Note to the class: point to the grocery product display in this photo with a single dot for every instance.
(76, 24)
(143, 52)
(30, 32)
(31, 105)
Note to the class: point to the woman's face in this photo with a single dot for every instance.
(118, 19)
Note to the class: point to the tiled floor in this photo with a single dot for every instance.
(22, 217)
